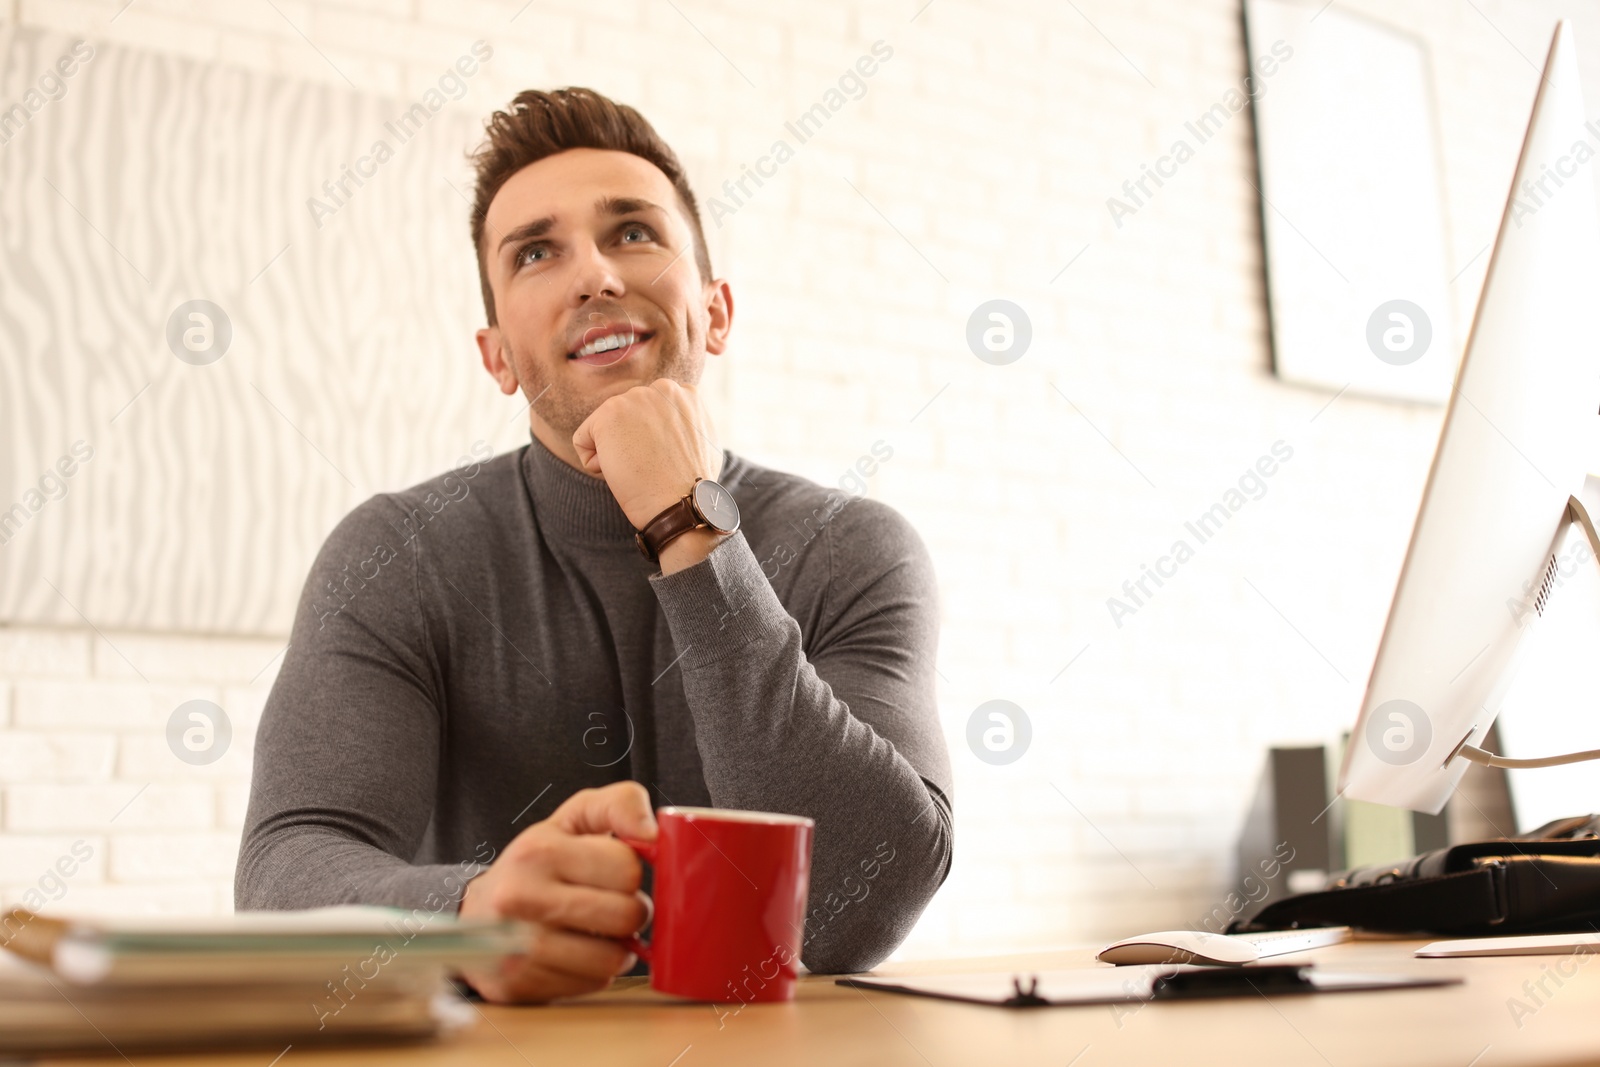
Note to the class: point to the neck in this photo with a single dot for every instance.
(570, 503)
(559, 444)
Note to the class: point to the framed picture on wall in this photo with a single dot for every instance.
(1352, 203)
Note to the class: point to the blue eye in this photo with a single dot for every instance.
(527, 254)
(640, 230)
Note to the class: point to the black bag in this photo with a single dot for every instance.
(1543, 882)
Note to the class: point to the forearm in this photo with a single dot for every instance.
(883, 838)
(346, 757)
(774, 735)
(289, 866)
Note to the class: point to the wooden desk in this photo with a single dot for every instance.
(1455, 1026)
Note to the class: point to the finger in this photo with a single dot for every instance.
(596, 862)
(546, 853)
(649, 910)
(529, 983)
(621, 808)
(600, 912)
(580, 908)
(583, 437)
(577, 955)
(525, 979)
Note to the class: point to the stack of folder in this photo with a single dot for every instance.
(260, 978)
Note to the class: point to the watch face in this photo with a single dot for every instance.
(716, 506)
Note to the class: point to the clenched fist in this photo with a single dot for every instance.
(651, 444)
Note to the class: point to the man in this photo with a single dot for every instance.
(489, 667)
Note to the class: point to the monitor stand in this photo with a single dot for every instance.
(1581, 513)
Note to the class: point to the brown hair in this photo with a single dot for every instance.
(540, 124)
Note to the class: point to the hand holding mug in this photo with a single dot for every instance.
(578, 886)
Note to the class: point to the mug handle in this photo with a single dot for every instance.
(647, 852)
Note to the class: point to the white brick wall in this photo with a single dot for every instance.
(84, 758)
(990, 142)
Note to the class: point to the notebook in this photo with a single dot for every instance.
(267, 979)
(1105, 984)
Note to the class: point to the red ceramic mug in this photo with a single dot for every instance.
(730, 903)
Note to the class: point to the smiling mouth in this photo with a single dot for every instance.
(610, 348)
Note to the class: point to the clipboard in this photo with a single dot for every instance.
(1156, 982)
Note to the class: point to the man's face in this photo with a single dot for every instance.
(592, 265)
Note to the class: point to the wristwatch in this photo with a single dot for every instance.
(706, 506)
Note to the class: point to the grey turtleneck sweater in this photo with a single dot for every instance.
(471, 651)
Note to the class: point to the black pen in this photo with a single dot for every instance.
(1233, 982)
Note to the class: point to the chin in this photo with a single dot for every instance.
(622, 384)
(588, 401)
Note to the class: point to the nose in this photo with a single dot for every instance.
(596, 276)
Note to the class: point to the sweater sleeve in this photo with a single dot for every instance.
(347, 754)
(844, 731)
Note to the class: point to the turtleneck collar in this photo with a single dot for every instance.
(569, 503)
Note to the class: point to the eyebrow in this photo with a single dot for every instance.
(606, 205)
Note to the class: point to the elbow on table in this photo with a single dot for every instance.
(253, 888)
(850, 958)
(850, 944)
(266, 878)
(860, 946)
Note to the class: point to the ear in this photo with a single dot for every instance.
(492, 346)
(719, 315)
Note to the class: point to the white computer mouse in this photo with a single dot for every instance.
(1180, 946)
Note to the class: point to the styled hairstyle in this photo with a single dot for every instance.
(540, 124)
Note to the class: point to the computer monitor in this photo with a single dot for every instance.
(1507, 477)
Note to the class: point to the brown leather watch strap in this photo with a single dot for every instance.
(676, 520)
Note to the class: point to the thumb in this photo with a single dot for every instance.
(583, 439)
(621, 808)
(588, 455)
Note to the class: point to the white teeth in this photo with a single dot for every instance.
(609, 343)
